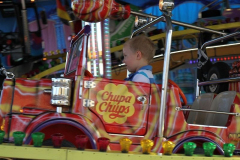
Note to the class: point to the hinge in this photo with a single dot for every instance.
(89, 84)
(88, 103)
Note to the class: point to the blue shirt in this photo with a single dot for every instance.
(144, 74)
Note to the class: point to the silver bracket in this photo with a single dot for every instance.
(88, 103)
(89, 84)
(9, 75)
(142, 99)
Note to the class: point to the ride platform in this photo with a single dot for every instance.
(29, 152)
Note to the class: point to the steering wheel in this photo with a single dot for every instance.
(180, 92)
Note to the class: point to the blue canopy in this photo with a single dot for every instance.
(148, 3)
(184, 10)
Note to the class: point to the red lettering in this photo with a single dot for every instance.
(126, 109)
(103, 95)
(128, 99)
(121, 99)
(122, 108)
(115, 110)
(108, 96)
(109, 107)
(101, 105)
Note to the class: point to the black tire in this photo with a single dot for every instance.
(218, 70)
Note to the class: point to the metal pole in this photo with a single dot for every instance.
(203, 47)
(197, 89)
(143, 14)
(206, 111)
(207, 5)
(180, 23)
(165, 74)
(25, 28)
(217, 81)
(197, 28)
(147, 25)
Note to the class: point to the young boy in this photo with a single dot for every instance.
(137, 53)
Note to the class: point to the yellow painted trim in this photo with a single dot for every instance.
(29, 152)
(55, 56)
(117, 48)
(47, 72)
(117, 155)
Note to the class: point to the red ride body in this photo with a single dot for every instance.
(116, 112)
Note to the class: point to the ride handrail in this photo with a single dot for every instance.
(206, 111)
(155, 21)
(222, 80)
(175, 22)
(203, 47)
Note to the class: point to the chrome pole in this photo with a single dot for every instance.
(203, 47)
(143, 14)
(25, 28)
(165, 74)
(197, 27)
(179, 23)
(197, 89)
(206, 111)
(159, 19)
(217, 81)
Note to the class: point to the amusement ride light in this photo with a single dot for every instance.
(168, 147)
(189, 148)
(166, 5)
(139, 21)
(146, 145)
(125, 144)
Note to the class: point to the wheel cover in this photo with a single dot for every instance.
(213, 87)
(180, 92)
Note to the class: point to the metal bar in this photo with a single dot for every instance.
(159, 19)
(197, 28)
(215, 5)
(206, 111)
(223, 80)
(25, 28)
(180, 23)
(197, 89)
(165, 74)
(207, 6)
(83, 66)
(143, 14)
(203, 47)
(226, 4)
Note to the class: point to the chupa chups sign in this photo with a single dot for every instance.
(115, 103)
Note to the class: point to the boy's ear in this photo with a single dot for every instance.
(139, 55)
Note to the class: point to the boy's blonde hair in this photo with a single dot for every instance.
(143, 44)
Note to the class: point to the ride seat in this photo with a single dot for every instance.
(221, 103)
(202, 102)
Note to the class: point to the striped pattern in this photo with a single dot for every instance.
(95, 11)
(144, 74)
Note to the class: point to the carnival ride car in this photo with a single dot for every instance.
(78, 103)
